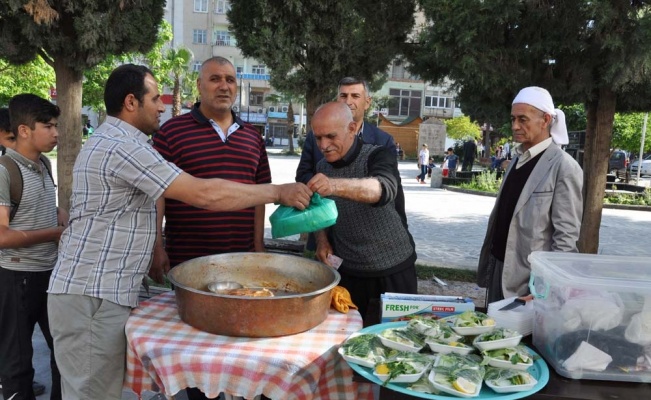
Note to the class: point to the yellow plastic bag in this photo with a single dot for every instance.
(340, 300)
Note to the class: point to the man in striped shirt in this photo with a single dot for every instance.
(28, 245)
(212, 142)
(108, 248)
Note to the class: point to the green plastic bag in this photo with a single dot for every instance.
(319, 214)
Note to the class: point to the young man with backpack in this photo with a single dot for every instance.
(30, 227)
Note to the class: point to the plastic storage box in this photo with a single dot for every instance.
(592, 315)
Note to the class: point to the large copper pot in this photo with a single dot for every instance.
(306, 285)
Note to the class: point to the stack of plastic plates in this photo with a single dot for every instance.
(519, 318)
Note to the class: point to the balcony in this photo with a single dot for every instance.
(254, 77)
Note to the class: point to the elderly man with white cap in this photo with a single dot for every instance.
(539, 205)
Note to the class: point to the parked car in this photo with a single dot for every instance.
(618, 164)
(646, 166)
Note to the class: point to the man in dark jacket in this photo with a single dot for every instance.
(469, 153)
(355, 93)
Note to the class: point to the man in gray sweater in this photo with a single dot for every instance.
(371, 234)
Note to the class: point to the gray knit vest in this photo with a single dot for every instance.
(368, 238)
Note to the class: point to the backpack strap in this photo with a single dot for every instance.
(48, 167)
(16, 180)
(15, 183)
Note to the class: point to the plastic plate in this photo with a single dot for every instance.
(494, 362)
(497, 344)
(513, 388)
(400, 346)
(355, 360)
(445, 349)
(404, 378)
(450, 390)
(472, 330)
(539, 371)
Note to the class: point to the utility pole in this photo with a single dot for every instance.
(248, 107)
(239, 109)
(639, 161)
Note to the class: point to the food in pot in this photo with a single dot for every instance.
(251, 292)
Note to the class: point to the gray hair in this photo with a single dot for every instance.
(350, 80)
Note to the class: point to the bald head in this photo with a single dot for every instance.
(334, 130)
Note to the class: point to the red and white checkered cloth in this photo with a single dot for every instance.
(167, 355)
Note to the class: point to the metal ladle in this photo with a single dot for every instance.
(220, 286)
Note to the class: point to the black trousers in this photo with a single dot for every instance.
(362, 290)
(23, 304)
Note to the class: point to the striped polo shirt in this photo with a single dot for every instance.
(107, 249)
(191, 142)
(37, 210)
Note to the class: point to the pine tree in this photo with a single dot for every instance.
(595, 52)
(72, 36)
(310, 45)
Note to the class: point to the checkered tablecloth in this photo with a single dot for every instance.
(167, 355)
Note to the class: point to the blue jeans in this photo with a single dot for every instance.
(423, 172)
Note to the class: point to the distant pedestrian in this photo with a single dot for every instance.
(423, 158)
(469, 152)
(452, 160)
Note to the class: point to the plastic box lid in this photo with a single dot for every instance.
(596, 271)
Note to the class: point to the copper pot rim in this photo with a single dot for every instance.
(329, 287)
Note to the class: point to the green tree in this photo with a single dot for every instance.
(594, 52)
(35, 77)
(72, 36)
(94, 81)
(176, 62)
(310, 45)
(95, 77)
(460, 128)
(627, 132)
(289, 99)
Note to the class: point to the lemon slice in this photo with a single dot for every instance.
(488, 322)
(382, 369)
(463, 385)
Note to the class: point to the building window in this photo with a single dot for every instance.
(239, 69)
(258, 69)
(201, 6)
(223, 38)
(222, 6)
(438, 102)
(399, 71)
(196, 67)
(256, 98)
(406, 103)
(199, 36)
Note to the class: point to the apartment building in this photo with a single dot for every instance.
(202, 26)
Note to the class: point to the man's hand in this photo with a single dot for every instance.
(160, 264)
(322, 185)
(295, 195)
(62, 217)
(323, 246)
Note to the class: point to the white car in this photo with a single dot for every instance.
(645, 169)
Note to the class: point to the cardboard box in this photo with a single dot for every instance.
(400, 306)
(592, 314)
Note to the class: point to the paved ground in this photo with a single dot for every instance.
(448, 228)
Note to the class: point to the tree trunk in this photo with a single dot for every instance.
(176, 96)
(599, 131)
(69, 89)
